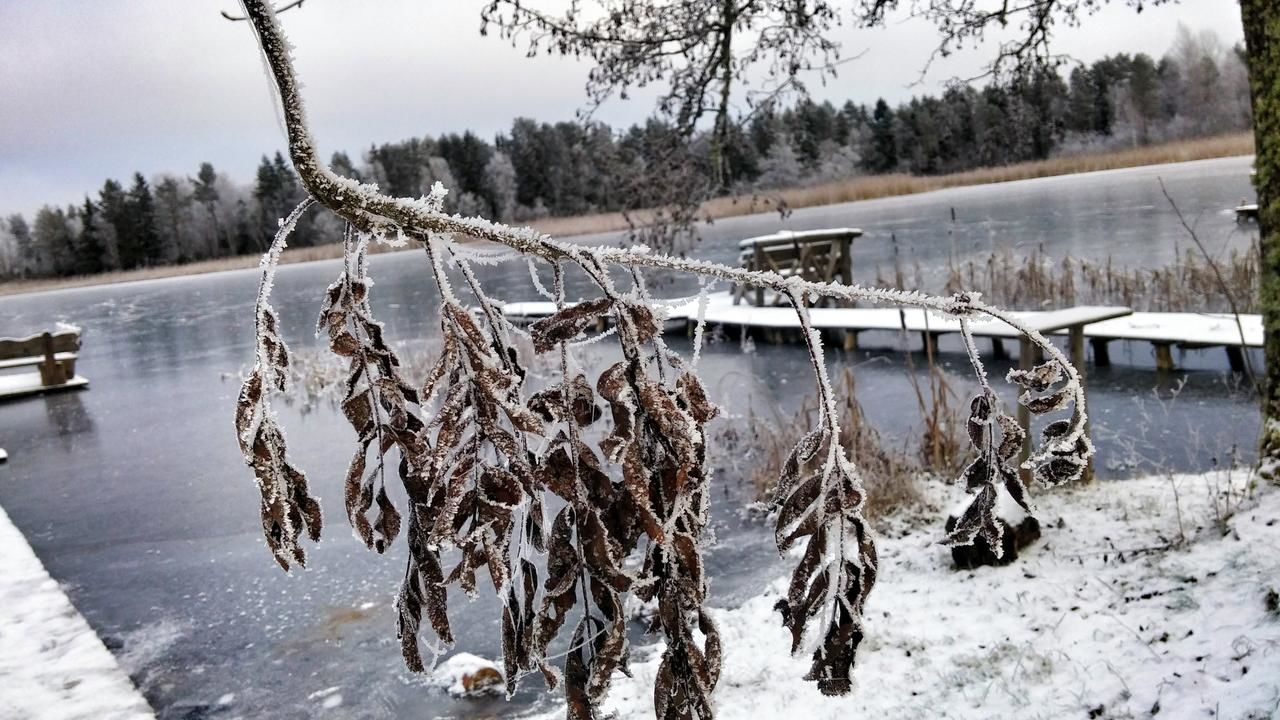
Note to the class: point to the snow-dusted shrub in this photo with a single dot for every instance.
(482, 460)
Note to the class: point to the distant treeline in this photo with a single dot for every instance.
(538, 169)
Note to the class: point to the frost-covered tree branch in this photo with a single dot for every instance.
(482, 456)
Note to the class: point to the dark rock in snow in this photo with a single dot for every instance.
(1015, 538)
(1020, 530)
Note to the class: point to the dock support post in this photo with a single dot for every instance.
(759, 265)
(846, 261)
(1026, 361)
(929, 341)
(1076, 337)
(997, 349)
(1235, 356)
(850, 340)
(1164, 357)
(1101, 352)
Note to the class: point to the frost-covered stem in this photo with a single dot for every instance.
(831, 423)
(813, 343)
(268, 264)
(979, 370)
(580, 492)
(354, 262)
(700, 326)
(971, 349)
(661, 354)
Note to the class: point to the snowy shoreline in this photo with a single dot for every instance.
(52, 664)
(1138, 601)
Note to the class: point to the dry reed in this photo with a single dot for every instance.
(1035, 281)
(891, 475)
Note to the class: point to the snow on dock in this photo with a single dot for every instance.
(1099, 324)
(52, 664)
(1188, 329)
(721, 310)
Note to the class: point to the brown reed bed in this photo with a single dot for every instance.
(891, 474)
(1036, 281)
(878, 186)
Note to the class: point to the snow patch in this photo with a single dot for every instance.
(52, 664)
(451, 673)
(1109, 615)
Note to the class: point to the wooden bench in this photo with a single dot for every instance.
(816, 255)
(53, 356)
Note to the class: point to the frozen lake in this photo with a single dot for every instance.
(134, 495)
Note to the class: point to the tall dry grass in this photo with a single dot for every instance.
(861, 188)
(891, 475)
(1032, 282)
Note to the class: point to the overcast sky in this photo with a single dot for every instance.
(91, 89)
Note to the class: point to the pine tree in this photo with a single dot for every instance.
(882, 155)
(90, 248)
(267, 192)
(204, 190)
(244, 237)
(115, 213)
(55, 242)
(1144, 93)
(27, 257)
(341, 164)
(143, 244)
(172, 203)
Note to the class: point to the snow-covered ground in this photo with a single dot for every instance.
(1107, 616)
(52, 664)
(1145, 598)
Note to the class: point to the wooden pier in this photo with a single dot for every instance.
(1099, 325)
(1246, 212)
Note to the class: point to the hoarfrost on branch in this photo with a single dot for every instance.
(482, 457)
